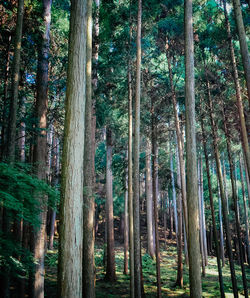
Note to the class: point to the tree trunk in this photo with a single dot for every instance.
(244, 137)
(243, 43)
(179, 280)
(71, 211)
(201, 225)
(40, 150)
(136, 153)
(21, 134)
(110, 266)
(126, 230)
(245, 211)
(192, 186)
(204, 141)
(15, 83)
(225, 182)
(222, 192)
(155, 198)
(149, 195)
(174, 191)
(88, 273)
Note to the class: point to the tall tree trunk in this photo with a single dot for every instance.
(243, 43)
(245, 211)
(222, 192)
(149, 197)
(179, 280)
(222, 252)
(192, 186)
(174, 191)
(71, 211)
(201, 225)
(130, 179)
(126, 230)
(235, 199)
(21, 134)
(40, 150)
(204, 141)
(179, 143)
(244, 138)
(15, 82)
(155, 198)
(225, 182)
(136, 153)
(88, 273)
(110, 266)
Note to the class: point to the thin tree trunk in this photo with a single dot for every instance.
(110, 266)
(225, 182)
(244, 137)
(130, 180)
(40, 150)
(21, 135)
(136, 153)
(221, 231)
(155, 198)
(15, 83)
(243, 43)
(174, 191)
(201, 227)
(204, 141)
(126, 230)
(222, 192)
(245, 212)
(179, 280)
(88, 273)
(192, 186)
(71, 211)
(149, 197)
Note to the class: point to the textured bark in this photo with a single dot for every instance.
(222, 251)
(245, 212)
(130, 180)
(174, 192)
(110, 266)
(179, 143)
(225, 183)
(149, 197)
(40, 149)
(243, 43)
(179, 280)
(126, 230)
(15, 83)
(244, 137)
(71, 211)
(201, 225)
(222, 192)
(222, 292)
(136, 154)
(88, 273)
(155, 198)
(192, 185)
(21, 133)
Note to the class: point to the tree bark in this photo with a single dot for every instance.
(15, 83)
(243, 43)
(40, 149)
(192, 186)
(155, 198)
(110, 266)
(174, 191)
(136, 153)
(126, 230)
(71, 211)
(88, 266)
(149, 197)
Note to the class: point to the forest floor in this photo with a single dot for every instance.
(120, 288)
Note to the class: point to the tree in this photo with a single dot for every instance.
(71, 209)
(88, 266)
(192, 186)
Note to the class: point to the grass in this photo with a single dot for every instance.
(120, 288)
